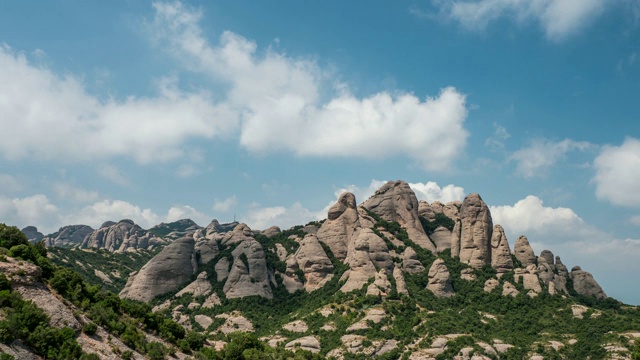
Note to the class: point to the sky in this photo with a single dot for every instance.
(266, 111)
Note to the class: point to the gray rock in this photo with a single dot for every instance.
(410, 262)
(508, 289)
(585, 284)
(442, 238)
(440, 279)
(500, 252)
(395, 201)
(32, 234)
(455, 239)
(547, 255)
(206, 250)
(200, 286)
(476, 228)
(272, 231)
(176, 229)
(360, 258)
(121, 236)
(314, 262)
(523, 252)
(452, 210)
(342, 220)
(248, 280)
(222, 268)
(562, 269)
(308, 343)
(71, 235)
(545, 271)
(425, 210)
(165, 272)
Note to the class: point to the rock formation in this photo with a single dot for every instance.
(585, 284)
(547, 255)
(500, 252)
(32, 234)
(410, 262)
(70, 235)
(395, 201)
(476, 228)
(314, 263)
(442, 238)
(272, 231)
(341, 222)
(165, 272)
(455, 239)
(523, 252)
(440, 279)
(425, 210)
(248, 275)
(121, 236)
(366, 252)
(176, 229)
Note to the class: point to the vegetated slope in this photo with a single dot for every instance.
(390, 278)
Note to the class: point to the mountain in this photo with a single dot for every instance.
(124, 235)
(392, 277)
(67, 236)
(32, 233)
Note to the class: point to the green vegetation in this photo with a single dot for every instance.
(441, 220)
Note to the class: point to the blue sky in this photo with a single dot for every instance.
(157, 111)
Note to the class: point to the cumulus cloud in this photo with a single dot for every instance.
(51, 117)
(225, 205)
(558, 18)
(180, 212)
(260, 218)
(618, 173)
(289, 104)
(431, 191)
(34, 210)
(74, 194)
(541, 154)
(9, 183)
(496, 141)
(113, 174)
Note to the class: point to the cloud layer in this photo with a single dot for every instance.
(617, 176)
(541, 154)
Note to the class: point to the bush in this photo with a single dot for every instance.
(155, 350)
(90, 328)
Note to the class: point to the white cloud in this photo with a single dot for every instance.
(431, 191)
(558, 18)
(496, 141)
(281, 101)
(61, 121)
(9, 184)
(179, 212)
(260, 218)
(225, 205)
(542, 154)
(74, 194)
(113, 210)
(635, 220)
(34, 210)
(618, 173)
(113, 174)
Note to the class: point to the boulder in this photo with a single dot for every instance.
(342, 220)
(165, 272)
(585, 284)
(500, 252)
(467, 274)
(490, 284)
(410, 262)
(508, 289)
(200, 286)
(314, 263)
(476, 228)
(272, 231)
(442, 238)
(547, 255)
(395, 201)
(401, 285)
(248, 275)
(308, 343)
(425, 210)
(524, 252)
(440, 279)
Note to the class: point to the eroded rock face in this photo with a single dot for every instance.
(165, 272)
(175, 230)
(547, 255)
(440, 279)
(500, 252)
(200, 286)
(442, 238)
(508, 289)
(455, 239)
(585, 284)
(425, 210)
(395, 201)
(562, 269)
(121, 236)
(410, 262)
(206, 250)
(476, 228)
(240, 233)
(523, 252)
(68, 236)
(272, 231)
(248, 275)
(360, 260)
(545, 271)
(314, 263)
(342, 220)
(32, 234)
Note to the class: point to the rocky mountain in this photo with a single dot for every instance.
(32, 233)
(124, 235)
(67, 236)
(389, 278)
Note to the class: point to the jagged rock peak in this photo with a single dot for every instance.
(395, 201)
(476, 228)
(32, 233)
(547, 255)
(272, 231)
(121, 236)
(107, 224)
(69, 235)
(314, 263)
(249, 275)
(221, 228)
(500, 252)
(523, 251)
(585, 284)
(346, 201)
(342, 220)
(440, 279)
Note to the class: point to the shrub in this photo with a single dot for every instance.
(90, 328)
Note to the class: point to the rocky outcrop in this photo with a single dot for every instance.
(121, 236)
(440, 279)
(248, 275)
(523, 252)
(585, 284)
(165, 272)
(561, 268)
(547, 255)
(508, 289)
(71, 235)
(442, 238)
(500, 252)
(381, 284)
(410, 262)
(545, 270)
(401, 285)
(206, 250)
(365, 253)
(395, 201)
(240, 233)
(32, 234)
(425, 210)
(342, 220)
(314, 263)
(490, 284)
(272, 231)
(175, 230)
(455, 239)
(476, 228)
(308, 343)
(200, 286)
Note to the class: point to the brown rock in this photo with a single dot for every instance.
(508, 289)
(500, 252)
(476, 231)
(440, 279)
(442, 238)
(314, 262)
(248, 280)
(524, 252)
(341, 222)
(547, 255)
(410, 262)
(455, 239)
(585, 284)
(425, 210)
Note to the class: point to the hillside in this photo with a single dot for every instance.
(389, 278)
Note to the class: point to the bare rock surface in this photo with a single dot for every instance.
(467, 274)
(71, 235)
(410, 262)
(440, 279)
(508, 289)
(401, 285)
(395, 201)
(211, 301)
(342, 220)
(165, 272)
(490, 284)
(442, 238)
(314, 263)
(585, 284)
(523, 251)
(363, 254)
(381, 284)
(234, 322)
(248, 275)
(121, 236)
(476, 228)
(272, 231)
(426, 211)
(60, 315)
(500, 252)
(200, 286)
(297, 326)
(203, 320)
(308, 343)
